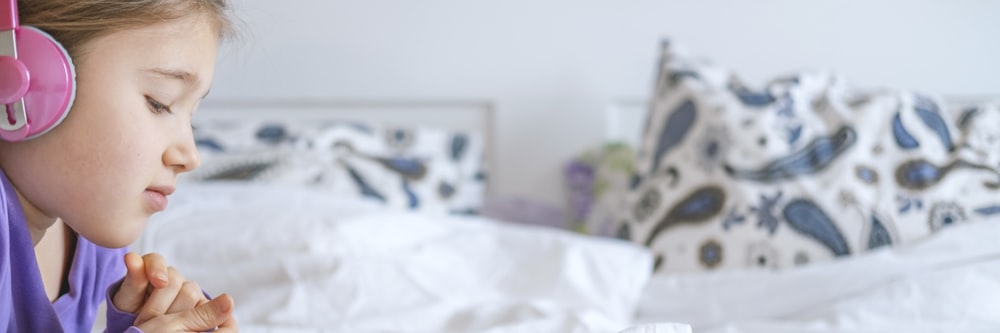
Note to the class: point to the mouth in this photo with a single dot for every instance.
(156, 197)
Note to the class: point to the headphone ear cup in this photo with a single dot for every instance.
(51, 87)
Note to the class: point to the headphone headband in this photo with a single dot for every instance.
(8, 28)
(8, 21)
(14, 84)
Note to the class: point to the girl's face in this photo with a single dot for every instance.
(108, 167)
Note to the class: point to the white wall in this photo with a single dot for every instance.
(551, 66)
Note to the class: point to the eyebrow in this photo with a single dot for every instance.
(184, 76)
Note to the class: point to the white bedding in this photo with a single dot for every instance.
(302, 261)
(949, 283)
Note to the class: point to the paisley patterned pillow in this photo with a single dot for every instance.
(426, 169)
(806, 169)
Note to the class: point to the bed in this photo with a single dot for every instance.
(333, 216)
(342, 216)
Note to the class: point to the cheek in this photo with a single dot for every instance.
(109, 161)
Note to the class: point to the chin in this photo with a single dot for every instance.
(115, 238)
(112, 241)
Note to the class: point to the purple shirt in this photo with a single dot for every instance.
(24, 306)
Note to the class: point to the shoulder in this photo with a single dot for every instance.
(14, 243)
(10, 211)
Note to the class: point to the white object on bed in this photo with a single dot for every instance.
(948, 283)
(659, 328)
(296, 260)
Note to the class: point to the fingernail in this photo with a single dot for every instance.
(161, 277)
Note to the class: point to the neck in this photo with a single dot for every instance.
(38, 222)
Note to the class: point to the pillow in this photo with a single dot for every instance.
(418, 168)
(806, 169)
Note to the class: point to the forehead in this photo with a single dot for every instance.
(187, 44)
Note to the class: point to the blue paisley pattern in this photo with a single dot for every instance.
(903, 138)
(807, 218)
(966, 118)
(987, 211)
(363, 186)
(867, 175)
(764, 212)
(677, 126)
(813, 158)
(446, 190)
(929, 113)
(921, 174)
(700, 206)
(272, 134)
(459, 143)
(249, 170)
(422, 169)
(208, 144)
(749, 97)
(805, 158)
(409, 168)
(412, 198)
(879, 235)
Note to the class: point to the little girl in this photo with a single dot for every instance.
(98, 97)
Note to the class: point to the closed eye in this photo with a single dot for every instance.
(156, 106)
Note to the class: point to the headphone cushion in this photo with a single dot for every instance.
(52, 86)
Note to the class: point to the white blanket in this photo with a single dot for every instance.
(949, 283)
(302, 261)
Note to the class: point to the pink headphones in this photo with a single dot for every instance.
(37, 79)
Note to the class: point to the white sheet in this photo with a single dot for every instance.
(949, 283)
(301, 261)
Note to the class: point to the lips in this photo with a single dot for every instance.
(165, 190)
(156, 197)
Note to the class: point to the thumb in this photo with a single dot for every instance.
(132, 293)
(209, 315)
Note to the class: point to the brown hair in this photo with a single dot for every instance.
(75, 22)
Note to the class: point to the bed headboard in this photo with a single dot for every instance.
(475, 116)
(624, 120)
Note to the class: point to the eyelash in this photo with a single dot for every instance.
(156, 106)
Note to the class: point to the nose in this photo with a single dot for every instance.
(182, 155)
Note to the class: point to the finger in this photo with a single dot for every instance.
(132, 292)
(159, 299)
(209, 315)
(229, 326)
(189, 297)
(205, 317)
(156, 270)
